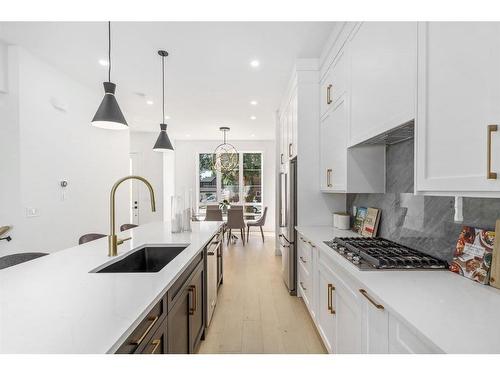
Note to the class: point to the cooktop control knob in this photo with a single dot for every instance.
(355, 259)
(341, 249)
(349, 255)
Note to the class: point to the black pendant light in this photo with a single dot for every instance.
(163, 142)
(109, 115)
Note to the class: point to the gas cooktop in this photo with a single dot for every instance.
(382, 254)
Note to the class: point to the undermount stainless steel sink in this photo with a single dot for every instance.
(145, 259)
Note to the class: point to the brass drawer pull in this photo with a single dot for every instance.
(281, 158)
(192, 289)
(302, 285)
(153, 321)
(372, 301)
(490, 175)
(290, 152)
(156, 344)
(303, 260)
(329, 177)
(328, 94)
(331, 288)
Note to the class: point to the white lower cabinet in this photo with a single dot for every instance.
(349, 318)
(404, 340)
(374, 326)
(326, 315)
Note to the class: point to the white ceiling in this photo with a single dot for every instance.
(209, 80)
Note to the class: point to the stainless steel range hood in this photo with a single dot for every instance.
(393, 136)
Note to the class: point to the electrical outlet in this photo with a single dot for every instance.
(32, 212)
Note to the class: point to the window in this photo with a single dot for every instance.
(242, 186)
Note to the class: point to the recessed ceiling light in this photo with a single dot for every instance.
(149, 102)
(254, 63)
(253, 118)
(253, 102)
(253, 135)
(167, 117)
(188, 135)
(103, 62)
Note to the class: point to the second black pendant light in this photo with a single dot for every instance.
(163, 142)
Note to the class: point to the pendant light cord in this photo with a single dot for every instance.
(109, 51)
(163, 86)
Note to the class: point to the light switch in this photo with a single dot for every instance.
(32, 212)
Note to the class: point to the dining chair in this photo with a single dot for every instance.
(214, 215)
(257, 223)
(90, 237)
(235, 221)
(127, 227)
(13, 259)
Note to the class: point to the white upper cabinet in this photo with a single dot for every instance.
(458, 98)
(289, 128)
(382, 67)
(334, 83)
(333, 148)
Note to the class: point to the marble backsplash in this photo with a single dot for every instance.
(425, 223)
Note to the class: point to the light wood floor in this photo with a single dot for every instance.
(254, 312)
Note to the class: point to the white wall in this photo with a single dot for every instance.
(150, 166)
(40, 145)
(186, 153)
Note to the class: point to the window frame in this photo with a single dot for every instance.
(218, 174)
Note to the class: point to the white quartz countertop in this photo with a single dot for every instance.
(455, 313)
(54, 304)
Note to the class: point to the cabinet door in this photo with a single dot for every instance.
(333, 148)
(292, 126)
(459, 96)
(335, 82)
(325, 315)
(382, 77)
(196, 303)
(405, 340)
(348, 313)
(374, 327)
(284, 136)
(178, 324)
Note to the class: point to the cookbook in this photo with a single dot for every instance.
(370, 225)
(473, 254)
(359, 219)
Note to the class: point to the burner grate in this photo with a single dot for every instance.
(379, 253)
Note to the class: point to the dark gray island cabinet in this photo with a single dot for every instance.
(176, 323)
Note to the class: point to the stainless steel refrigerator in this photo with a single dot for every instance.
(288, 219)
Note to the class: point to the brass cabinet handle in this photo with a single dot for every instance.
(281, 158)
(210, 253)
(302, 285)
(153, 321)
(156, 344)
(372, 301)
(192, 289)
(329, 177)
(290, 149)
(328, 94)
(490, 175)
(331, 288)
(302, 259)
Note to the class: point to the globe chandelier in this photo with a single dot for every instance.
(225, 156)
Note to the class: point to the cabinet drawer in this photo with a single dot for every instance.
(305, 285)
(305, 254)
(145, 328)
(157, 344)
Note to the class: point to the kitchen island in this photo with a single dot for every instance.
(59, 304)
